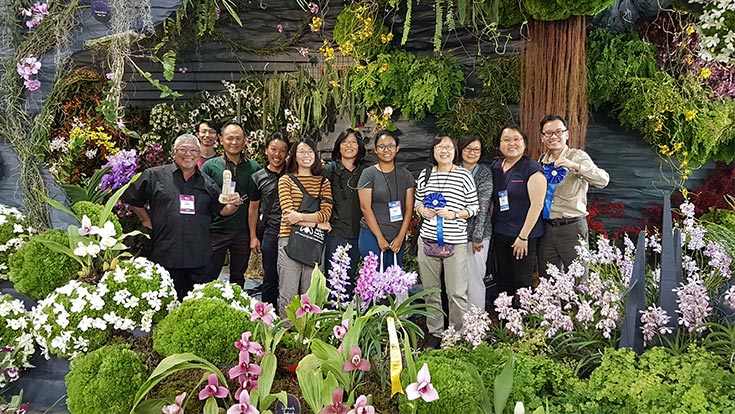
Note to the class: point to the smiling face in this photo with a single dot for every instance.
(304, 155)
(472, 152)
(386, 149)
(554, 135)
(444, 152)
(233, 140)
(207, 135)
(186, 155)
(349, 148)
(276, 153)
(512, 145)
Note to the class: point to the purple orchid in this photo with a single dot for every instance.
(336, 407)
(307, 307)
(356, 361)
(422, 387)
(245, 345)
(213, 389)
(244, 406)
(244, 367)
(176, 407)
(362, 407)
(263, 311)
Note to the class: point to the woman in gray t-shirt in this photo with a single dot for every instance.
(386, 199)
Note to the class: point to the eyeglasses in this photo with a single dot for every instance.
(558, 133)
(208, 131)
(389, 147)
(445, 147)
(472, 150)
(510, 140)
(305, 153)
(185, 151)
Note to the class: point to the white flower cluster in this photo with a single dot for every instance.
(163, 119)
(106, 233)
(718, 39)
(15, 331)
(229, 292)
(476, 324)
(12, 232)
(139, 293)
(292, 122)
(70, 320)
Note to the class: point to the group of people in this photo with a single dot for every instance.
(530, 211)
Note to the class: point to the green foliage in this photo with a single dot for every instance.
(585, 7)
(485, 116)
(360, 33)
(90, 191)
(37, 270)
(501, 78)
(383, 81)
(205, 327)
(510, 13)
(612, 62)
(104, 381)
(93, 211)
(561, 9)
(436, 82)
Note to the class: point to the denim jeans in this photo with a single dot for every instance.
(369, 243)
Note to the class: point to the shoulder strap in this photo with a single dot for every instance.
(427, 174)
(298, 183)
(321, 185)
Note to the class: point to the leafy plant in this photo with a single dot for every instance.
(501, 78)
(104, 380)
(90, 191)
(484, 116)
(436, 82)
(359, 32)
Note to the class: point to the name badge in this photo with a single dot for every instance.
(186, 204)
(503, 200)
(395, 211)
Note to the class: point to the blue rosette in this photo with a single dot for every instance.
(437, 201)
(554, 175)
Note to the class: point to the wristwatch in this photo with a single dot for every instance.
(456, 214)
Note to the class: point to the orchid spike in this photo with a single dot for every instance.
(362, 407)
(213, 389)
(245, 345)
(244, 367)
(336, 407)
(422, 387)
(307, 307)
(244, 406)
(176, 407)
(356, 361)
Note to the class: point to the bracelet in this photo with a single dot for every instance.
(522, 239)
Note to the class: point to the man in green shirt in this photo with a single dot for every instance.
(231, 233)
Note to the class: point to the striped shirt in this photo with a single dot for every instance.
(458, 189)
(290, 197)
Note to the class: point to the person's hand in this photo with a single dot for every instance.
(520, 248)
(292, 217)
(383, 244)
(255, 245)
(446, 214)
(324, 226)
(234, 199)
(428, 213)
(395, 244)
(567, 163)
(477, 247)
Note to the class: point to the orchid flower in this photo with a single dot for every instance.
(356, 361)
(340, 330)
(176, 407)
(244, 407)
(245, 345)
(263, 311)
(336, 407)
(213, 389)
(307, 307)
(86, 227)
(244, 367)
(362, 407)
(422, 387)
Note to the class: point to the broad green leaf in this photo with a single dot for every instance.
(325, 351)
(210, 406)
(503, 386)
(268, 365)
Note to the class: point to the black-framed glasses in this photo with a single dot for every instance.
(558, 133)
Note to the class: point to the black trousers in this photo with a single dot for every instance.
(514, 274)
(185, 279)
(237, 242)
(269, 249)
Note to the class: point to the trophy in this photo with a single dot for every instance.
(227, 189)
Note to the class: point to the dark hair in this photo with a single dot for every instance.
(337, 155)
(209, 122)
(231, 123)
(386, 133)
(469, 139)
(436, 141)
(516, 128)
(278, 136)
(553, 117)
(292, 166)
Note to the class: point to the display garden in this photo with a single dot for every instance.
(643, 322)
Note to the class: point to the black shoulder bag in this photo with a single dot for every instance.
(306, 244)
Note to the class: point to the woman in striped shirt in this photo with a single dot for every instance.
(305, 166)
(445, 200)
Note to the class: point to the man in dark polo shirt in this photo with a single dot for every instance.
(231, 233)
(182, 203)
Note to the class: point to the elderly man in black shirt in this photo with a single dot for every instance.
(182, 203)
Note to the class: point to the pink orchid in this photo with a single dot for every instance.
(176, 407)
(213, 389)
(307, 307)
(244, 344)
(356, 361)
(244, 407)
(279, 28)
(362, 407)
(340, 330)
(264, 312)
(422, 387)
(336, 407)
(244, 367)
(313, 8)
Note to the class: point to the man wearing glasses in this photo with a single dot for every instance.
(207, 133)
(182, 202)
(569, 172)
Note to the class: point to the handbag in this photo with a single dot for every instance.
(306, 244)
(432, 248)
